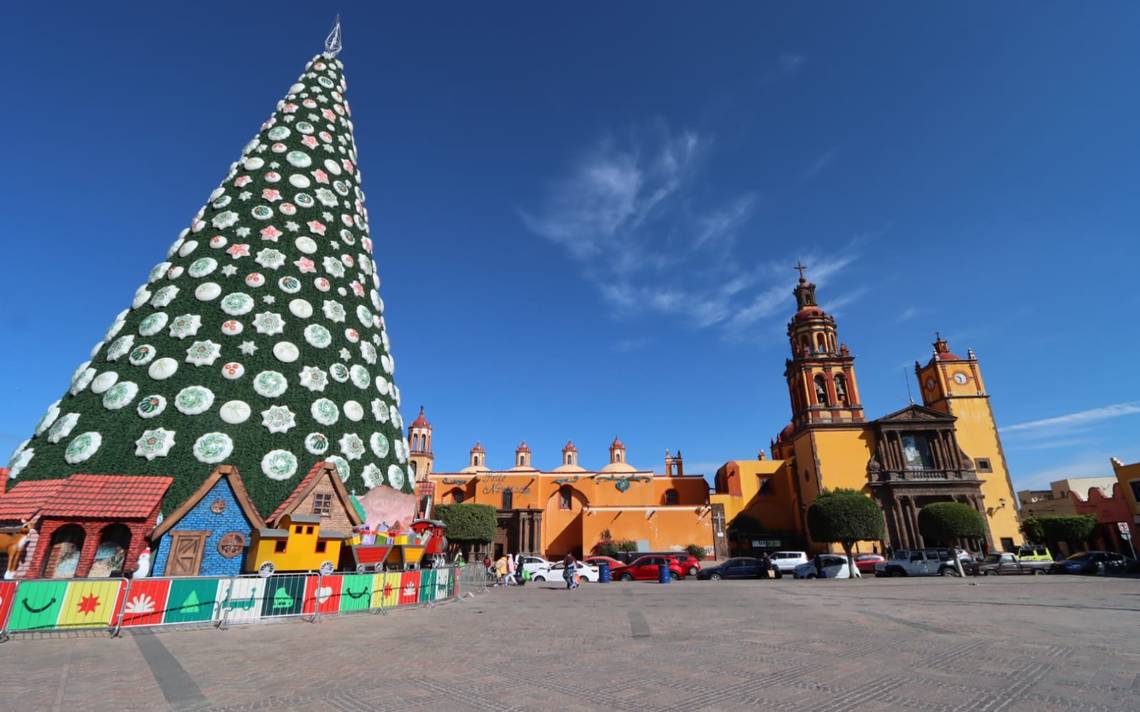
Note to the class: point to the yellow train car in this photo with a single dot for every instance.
(296, 544)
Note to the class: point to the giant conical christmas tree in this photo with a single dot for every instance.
(259, 341)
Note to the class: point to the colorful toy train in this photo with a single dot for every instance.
(298, 544)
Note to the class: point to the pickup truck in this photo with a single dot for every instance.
(1005, 563)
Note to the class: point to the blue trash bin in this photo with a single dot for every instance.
(663, 574)
(603, 572)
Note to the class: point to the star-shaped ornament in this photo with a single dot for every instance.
(292, 226)
(248, 348)
(345, 354)
(237, 250)
(245, 195)
(243, 231)
(229, 270)
(268, 299)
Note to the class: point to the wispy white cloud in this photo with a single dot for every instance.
(1075, 420)
(909, 313)
(1085, 466)
(630, 211)
(632, 344)
(817, 166)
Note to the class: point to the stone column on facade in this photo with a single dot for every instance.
(899, 539)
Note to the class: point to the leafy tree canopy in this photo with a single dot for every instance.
(467, 522)
(944, 522)
(845, 516)
(1050, 528)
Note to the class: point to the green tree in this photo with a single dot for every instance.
(944, 523)
(1033, 531)
(1071, 529)
(258, 339)
(845, 516)
(467, 524)
(696, 550)
(611, 548)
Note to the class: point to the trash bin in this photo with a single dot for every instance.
(663, 574)
(604, 572)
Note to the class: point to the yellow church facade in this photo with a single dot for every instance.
(945, 449)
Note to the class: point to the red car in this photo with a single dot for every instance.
(866, 562)
(690, 564)
(608, 560)
(645, 569)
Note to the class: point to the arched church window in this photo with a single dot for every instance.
(820, 343)
(821, 390)
(671, 496)
(565, 500)
(841, 389)
(508, 499)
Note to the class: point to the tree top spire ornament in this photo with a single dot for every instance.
(333, 45)
(259, 339)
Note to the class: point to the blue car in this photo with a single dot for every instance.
(1091, 562)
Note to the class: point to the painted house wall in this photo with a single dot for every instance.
(201, 518)
(662, 529)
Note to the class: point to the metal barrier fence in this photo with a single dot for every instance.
(43, 605)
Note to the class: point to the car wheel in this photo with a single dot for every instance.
(948, 572)
(626, 577)
(673, 575)
(693, 571)
(1038, 572)
(810, 576)
(991, 572)
(539, 579)
(898, 572)
(714, 577)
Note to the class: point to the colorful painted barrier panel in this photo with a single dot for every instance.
(146, 602)
(36, 605)
(355, 592)
(284, 595)
(90, 603)
(322, 594)
(427, 585)
(409, 587)
(192, 600)
(7, 593)
(441, 579)
(389, 581)
(240, 600)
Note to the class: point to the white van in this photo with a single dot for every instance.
(787, 561)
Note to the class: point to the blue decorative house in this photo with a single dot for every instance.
(207, 535)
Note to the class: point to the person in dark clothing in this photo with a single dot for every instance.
(819, 565)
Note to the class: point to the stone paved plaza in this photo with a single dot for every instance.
(1041, 644)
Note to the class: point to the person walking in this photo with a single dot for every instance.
(511, 570)
(501, 570)
(570, 567)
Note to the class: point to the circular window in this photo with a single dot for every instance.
(218, 506)
(231, 544)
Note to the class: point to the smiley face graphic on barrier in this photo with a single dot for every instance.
(355, 592)
(37, 604)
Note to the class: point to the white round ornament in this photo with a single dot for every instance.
(150, 406)
(353, 411)
(316, 443)
(341, 465)
(301, 308)
(270, 384)
(299, 181)
(49, 418)
(396, 476)
(235, 412)
(286, 351)
(232, 327)
(279, 464)
(82, 447)
(188, 247)
(324, 411)
(379, 445)
(120, 395)
(236, 304)
(194, 400)
(119, 347)
(207, 291)
(213, 448)
(233, 370)
(62, 427)
(104, 381)
(153, 323)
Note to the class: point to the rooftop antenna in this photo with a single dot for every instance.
(906, 380)
(332, 42)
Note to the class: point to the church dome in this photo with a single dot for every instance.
(619, 467)
(421, 421)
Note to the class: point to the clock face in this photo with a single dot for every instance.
(930, 384)
(961, 378)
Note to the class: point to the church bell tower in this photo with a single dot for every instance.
(821, 372)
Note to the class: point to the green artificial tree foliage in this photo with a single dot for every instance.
(845, 516)
(943, 523)
(467, 524)
(258, 341)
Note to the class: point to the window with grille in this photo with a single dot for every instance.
(322, 504)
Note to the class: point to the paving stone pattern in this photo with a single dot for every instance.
(998, 645)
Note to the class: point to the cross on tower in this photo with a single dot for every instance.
(801, 267)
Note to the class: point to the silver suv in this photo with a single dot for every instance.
(918, 562)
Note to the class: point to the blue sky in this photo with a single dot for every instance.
(586, 220)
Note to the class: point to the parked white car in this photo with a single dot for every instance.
(833, 567)
(534, 563)
(554, 572)
(919, 562)
(787, 561)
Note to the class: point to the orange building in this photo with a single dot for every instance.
(946, 449)
(570, 509)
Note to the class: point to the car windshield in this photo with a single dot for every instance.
(903, 555)
(1079, 557)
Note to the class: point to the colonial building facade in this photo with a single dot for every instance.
(945, 449)
(569, 508)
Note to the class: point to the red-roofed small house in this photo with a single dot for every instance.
(88, 524)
